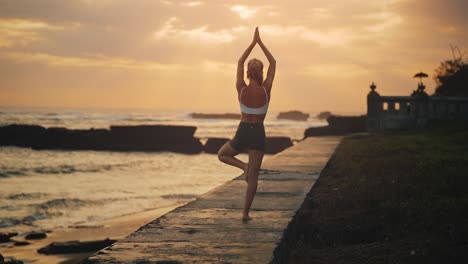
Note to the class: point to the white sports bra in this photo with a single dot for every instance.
(254, 111)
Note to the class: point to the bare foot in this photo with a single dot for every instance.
(246, 168)
(246, 218)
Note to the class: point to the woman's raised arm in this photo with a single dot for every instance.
(268, 83)
(240, 64)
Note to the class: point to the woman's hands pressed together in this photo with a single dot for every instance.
(256, 38)
(240, 64)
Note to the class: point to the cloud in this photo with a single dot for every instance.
(166, 2)
(199, 34)
(330, 37)
(21, 32)
(244, 12)
(97, 60)
(192, 3)
(335, 70)
(218, 67)
(382, 21)
(430, 12)
(334, 37)
(321, 13)
(106, 62)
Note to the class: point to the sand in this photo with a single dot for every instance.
(116, 228)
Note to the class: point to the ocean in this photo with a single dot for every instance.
(55, 189)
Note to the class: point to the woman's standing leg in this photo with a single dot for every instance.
(226, 154)
(255, 162)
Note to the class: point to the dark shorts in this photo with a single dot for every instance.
(249, 136)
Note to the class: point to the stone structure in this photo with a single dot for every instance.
(395, 112)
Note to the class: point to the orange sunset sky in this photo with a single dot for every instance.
(182, 54)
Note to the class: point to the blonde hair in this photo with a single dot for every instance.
(255, 70)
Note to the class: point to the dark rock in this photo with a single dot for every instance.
(2, 260)
(277, 144)
(36, 235)
(155, 137)
(215, 116)
(339, 125)
(293, 115)
(120, 138)
(5, 237)
(21, 243)
(324, 115)
(75, 246)
(154, 133)
(20, 135)
(62, 138)
(212, 145)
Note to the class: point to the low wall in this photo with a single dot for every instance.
(395, 112)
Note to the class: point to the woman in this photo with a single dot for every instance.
(254, 99)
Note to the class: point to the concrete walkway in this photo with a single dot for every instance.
(209, 229)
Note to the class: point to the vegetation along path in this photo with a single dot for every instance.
(399, 197)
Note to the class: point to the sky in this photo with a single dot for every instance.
(182, 55)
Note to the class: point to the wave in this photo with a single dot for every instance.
(60, 169)
(66, 169)
(62, 203)
(26, 196)
(179, 196)
(11, 172)
(34, 217)
(7, 222)
(48, 209)
(27, 220)
(55, 119)
(135, 119)
(9, 207)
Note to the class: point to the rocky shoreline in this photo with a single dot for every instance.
(172, 138)
(121, 138)
(117, 138)
(339, 125)
(72, 244)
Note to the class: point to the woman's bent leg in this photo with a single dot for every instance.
(226, 154)
(255, 162)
